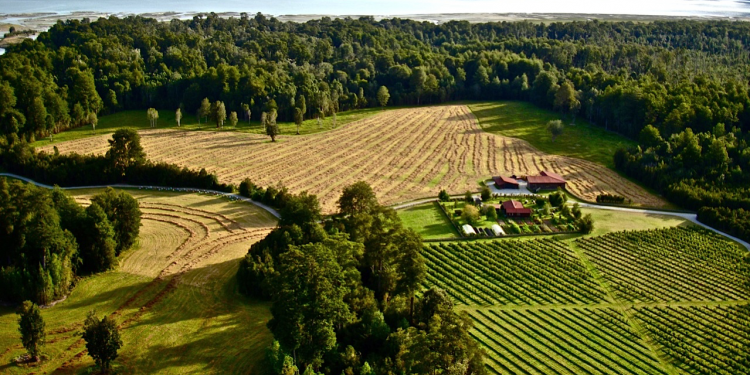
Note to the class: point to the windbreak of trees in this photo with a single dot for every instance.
(346, 294)
(48, 238)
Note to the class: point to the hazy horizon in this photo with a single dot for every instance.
(723, 8)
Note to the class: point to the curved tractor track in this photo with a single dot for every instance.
(404, 154)
(203, 235)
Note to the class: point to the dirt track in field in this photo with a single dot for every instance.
(404, 154)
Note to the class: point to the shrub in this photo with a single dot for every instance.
(443, 196)
(610, 198)
(470, 214)
(102, 340)
(486, 193)
(31, 327)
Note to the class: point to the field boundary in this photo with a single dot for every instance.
(150, 187)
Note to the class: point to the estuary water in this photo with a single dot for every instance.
(708, 8)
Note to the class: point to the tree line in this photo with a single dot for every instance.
(49, 239)
(347, 293)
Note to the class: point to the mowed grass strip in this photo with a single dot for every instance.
(187, 320)
(429, 221)
(528, 122)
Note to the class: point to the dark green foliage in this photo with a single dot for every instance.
(357, 198)
(443, 196)
(125, 150)
(97, 244)
(468, 197)
(123, 213)
(585, 224)
(102, 340)
(247, 188)
(734, 222)
(557, 198)
(346, 300)
(610, 198)
(31, 326)
(486, 194)
(37, 254)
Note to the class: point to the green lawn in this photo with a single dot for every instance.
(429, 221)
(528, 122)
(137, 119)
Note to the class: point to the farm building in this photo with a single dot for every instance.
(515, 209)
(502, 182)
(498, 230)
(545, 181)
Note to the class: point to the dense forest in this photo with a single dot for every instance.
(345, 293)
(49, 239)
(688, 79)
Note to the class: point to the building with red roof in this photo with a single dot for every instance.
(502, 182)
(546, 181)
(513, 208)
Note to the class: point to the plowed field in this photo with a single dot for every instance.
(404, 154)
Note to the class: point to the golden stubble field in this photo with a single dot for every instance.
(404, 154)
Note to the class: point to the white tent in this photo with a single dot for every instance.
(498, 230)
(468, 230)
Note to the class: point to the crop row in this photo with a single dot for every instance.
(702, 340)
(575, 341)
(671, 264)
(543, 271)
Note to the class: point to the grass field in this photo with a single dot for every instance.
(429, 221)
(657, 301)
(173, 295)
(404, 154)
(528, 122)
(136, 119)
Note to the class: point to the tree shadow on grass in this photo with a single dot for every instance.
(203, 328)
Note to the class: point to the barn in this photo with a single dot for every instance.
(513, 208)
(502, 182)
(546, 181)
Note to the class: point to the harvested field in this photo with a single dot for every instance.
(173, 295)
(404, 154)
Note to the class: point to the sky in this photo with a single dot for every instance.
(388, 7)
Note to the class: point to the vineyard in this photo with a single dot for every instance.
(680, 264)
(404, 154)
(666, 301)
(172, 296)
(511, 272)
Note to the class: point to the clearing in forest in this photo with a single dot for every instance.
(173, 295)
(664, 301)
(403, 154)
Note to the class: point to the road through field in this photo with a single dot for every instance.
(403, 154)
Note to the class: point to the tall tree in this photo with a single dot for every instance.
(555, 128)
(32, 328)
(218, 113)
(93, 120)
(152, 115)
(383, 96)
(566, 100)
(102, 340)
(125, 150)
(96, 242)
(204, 110)
(233, 119)
(272, 129)
(298, 118)
(123, 213)
(178, 116)
(411, 269)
